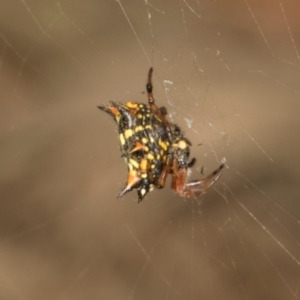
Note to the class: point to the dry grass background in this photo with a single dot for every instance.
(63, 233)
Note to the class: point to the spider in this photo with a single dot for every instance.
(153, 147)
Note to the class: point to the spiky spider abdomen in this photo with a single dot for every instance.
(153, 148)
(144, 144)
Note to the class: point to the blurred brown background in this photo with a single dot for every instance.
(228, 73)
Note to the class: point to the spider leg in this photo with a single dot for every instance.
(215, 175)
(160, 112)
(149, 88)
(151, 101)
(195, 187)
(164, 174)
(179, 177)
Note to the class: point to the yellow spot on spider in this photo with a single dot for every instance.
(139, 116)
(148, 126)
(122, 139)
(151, 139)
(152, 166)
(163, 144)
(138, 128)
(134, 163)
(150, 156)
(128, 133)
(144, 140)
(182, 144)
(131, 104)
(143, 165)
(144, 175)
(130, 167)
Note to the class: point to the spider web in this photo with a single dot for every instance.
(228, 74)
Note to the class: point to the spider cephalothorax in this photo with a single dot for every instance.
(153, 148)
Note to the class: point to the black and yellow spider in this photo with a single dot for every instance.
(153, 148)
